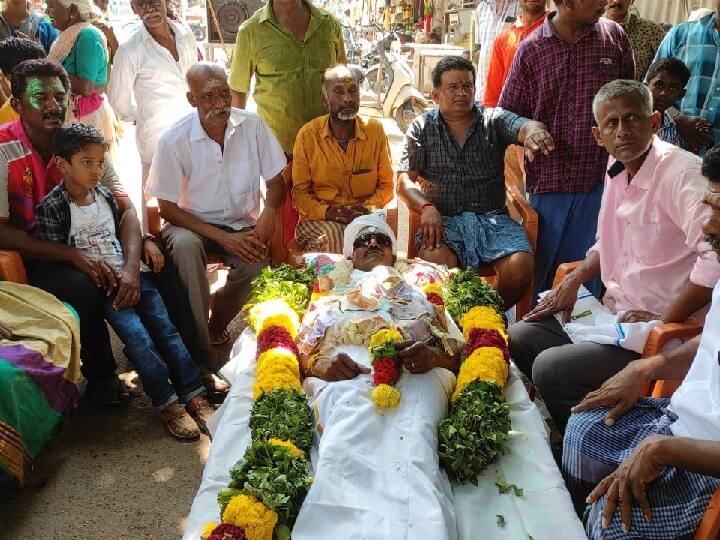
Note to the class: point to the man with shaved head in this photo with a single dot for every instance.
(208, 173)
(341, 166)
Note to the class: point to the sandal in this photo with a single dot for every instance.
(201, 411)
(179, 423)
(109, 392)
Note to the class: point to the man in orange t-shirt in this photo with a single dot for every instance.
(532, 15)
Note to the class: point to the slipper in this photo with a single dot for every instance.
(108, 392)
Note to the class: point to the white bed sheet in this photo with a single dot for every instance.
(545, 510)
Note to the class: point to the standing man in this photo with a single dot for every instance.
(697, 45)
(287, 45)
(491, 18)
(17, 21)
(147, 84)
(209, 173)
(645, 35)
(555, 75)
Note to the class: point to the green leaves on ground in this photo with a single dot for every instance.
(293, 285)
(475, 432)
(273, 476)
(504, 487)
(500, 520)
(466, 290)
(283, 414)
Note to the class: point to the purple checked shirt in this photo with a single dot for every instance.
(554, 82)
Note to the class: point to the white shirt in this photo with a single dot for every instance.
(92, 229)
(145, 70)
(223, 188)
(697, 401)
(489, 22)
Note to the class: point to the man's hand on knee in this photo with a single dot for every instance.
(431, 228)
(338, 368)
(561, 298)
(243, 245)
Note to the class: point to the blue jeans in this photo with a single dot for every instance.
(155, 348)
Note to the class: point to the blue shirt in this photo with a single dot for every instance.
(697, 44)
(668, 132)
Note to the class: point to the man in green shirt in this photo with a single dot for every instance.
(287, 45)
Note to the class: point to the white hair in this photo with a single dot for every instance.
(86, 8)
(624, 87)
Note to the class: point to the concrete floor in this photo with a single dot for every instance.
(116, 474)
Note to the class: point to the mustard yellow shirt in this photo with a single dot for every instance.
(324, 174)
(287, 71)
(7, 113)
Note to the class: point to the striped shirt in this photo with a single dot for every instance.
(554, 82)
(489, 22)
(697, 44)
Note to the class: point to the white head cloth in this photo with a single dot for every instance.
(356, 226)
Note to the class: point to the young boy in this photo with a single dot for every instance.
(667, 79)
(85, 215)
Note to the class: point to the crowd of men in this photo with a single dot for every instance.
(606, 122)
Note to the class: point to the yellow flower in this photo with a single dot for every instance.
(317, 295)
(294, 450)
(384, 335)
(273, 313)
(273, 376)
(385, 396)
(208, 528)
(431, 288)
(256, 519)
(484, 364)
(279, 356)
(482, 317)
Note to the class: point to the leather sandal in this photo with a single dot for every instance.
(179, 423)
(200, 410)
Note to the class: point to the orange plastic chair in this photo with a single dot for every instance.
(12, 267)
(521, 211)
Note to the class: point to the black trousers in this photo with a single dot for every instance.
(77, 289)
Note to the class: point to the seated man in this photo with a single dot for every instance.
(28, 172)
(341, 166)
(649, 252)
(452, 173)
(657, 459)
(12, 52)
(207, 173)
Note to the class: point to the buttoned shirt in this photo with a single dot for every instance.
(503, 53)
(650, 238)
(461, 179)
(697, 44)
(25, 179)
(645, 37)
(324, 174)
(287, 70)
(489, 22)
(222, 187)
(555, 82)
(668, 131)
(147, 86)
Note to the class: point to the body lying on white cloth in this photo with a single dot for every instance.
(377, 475)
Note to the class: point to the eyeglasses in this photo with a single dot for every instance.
(382, 240)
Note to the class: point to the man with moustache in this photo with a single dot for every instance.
(650, 252)
(555, 75)
(208, 172)
(645, 35)
(657, 459)
(40, 90)
(147, 83)
(341, 166)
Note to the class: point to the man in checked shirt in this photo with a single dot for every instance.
(553, 79)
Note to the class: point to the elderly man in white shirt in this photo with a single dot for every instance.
(147, 83)
(209, 173)
(491, 18)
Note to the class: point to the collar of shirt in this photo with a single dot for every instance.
(436, 116)
(316, 16)
(198, 133)
(519, 23)
(549, 30)
(629, 22)
(18, 131)
(178, 29)
(359, 130)
(709, 20)
(645, 176)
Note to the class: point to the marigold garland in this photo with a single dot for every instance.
(484, 364)
(383, 336)
(386, 367)
(482, 317)
(294, 450)
(256, 520)
(275, 336)
(480, 337)
(224, 531)
(385, 396)
(274, 313)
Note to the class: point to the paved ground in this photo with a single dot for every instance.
(115, 474)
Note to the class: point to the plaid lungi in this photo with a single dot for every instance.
(320, 236)
(592, 450)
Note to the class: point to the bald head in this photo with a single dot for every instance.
(203, 71)
(341, 93)
(210, 94)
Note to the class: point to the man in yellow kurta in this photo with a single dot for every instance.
(341, 166)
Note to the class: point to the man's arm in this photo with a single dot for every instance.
(385, 186)
(128, 293)
(518, 89)
(242, 68)
(303, 193)
(275, 196)
(120, 87)
(31, 247)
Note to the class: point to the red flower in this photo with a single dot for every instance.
(316, 286)
(225, 531)
(385, 371)
(275, 336)
(435, 298)
(481, 337)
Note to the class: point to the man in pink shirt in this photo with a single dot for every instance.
(650, 252)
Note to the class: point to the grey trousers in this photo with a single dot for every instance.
(189, 253)
(563, 372)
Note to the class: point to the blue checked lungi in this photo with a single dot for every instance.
(592, 450)
(479, 239)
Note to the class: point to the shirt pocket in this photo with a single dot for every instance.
(243, 187)
(363, 182)
(645, 242)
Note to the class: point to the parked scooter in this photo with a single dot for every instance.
(399, 99)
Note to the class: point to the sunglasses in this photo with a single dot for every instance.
(382, 240)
